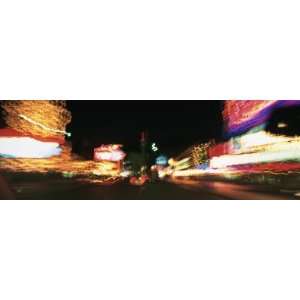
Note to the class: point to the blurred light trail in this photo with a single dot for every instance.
(103, 181)
(43, 126)
(262, 138)
(290, 153)
(199, 172)
(66, 162)
(274, 168)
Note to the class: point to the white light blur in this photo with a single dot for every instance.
(162, 174)
(288, 151)
(282, 125)
(26, 147)
(125, 173)
(173, 162)
(261, 138)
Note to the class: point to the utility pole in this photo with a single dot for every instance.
(143, 150)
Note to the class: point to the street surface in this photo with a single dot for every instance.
(229, 190)
(175, 190)
(123, 190)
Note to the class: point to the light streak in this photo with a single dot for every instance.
(187, 173)
(182, 164)
(287, 151)
(262, 138)
(199, 172)
(103, 181)
(57, 165)
(175, 163)
(43, 126)
(274, 167)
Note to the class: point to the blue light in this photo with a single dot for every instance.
(162, 160)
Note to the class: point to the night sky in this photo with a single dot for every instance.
(173, 125)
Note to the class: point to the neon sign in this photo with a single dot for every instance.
(242, 115)
(109, 153)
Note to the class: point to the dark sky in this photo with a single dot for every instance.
(173, 125)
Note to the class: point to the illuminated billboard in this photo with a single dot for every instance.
(14, 145)
(241, 116)
(109, 153)
(25, 147)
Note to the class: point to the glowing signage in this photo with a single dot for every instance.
(26, 147)
(110, 156)
(161, 160)
(243, 115)
(109, 153)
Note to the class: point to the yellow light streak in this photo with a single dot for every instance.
(43, 126)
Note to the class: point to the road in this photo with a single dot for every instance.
(175, 190)
(118, 191)
(230, 190)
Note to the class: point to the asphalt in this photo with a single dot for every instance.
(73, 190)
(60, 189)
(236, 191)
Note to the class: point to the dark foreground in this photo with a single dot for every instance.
(49, 188)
